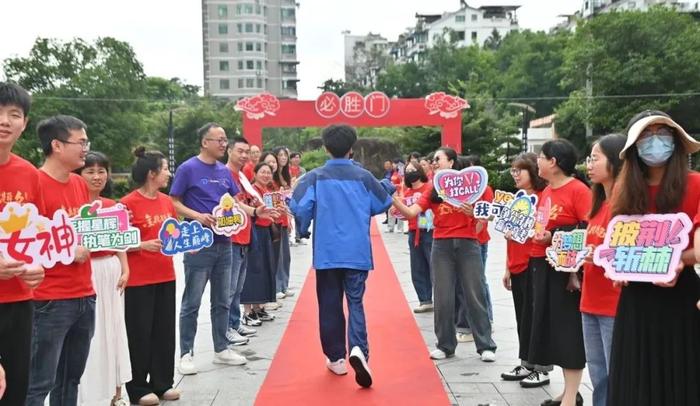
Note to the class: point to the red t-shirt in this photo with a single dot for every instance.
(571, 204)
(484, 236)
(449, 221)
(598, 295)
(19, 183)
(411, 197)
(249, 171)
(255, 203)
(100, 254)
(689, 205)
(294, 171)
(243, 237)
(147, 267)
(65, 281)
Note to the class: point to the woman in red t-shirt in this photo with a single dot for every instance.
(427, 167)
(455, 256)
(108, 365)
(517, 278)
(655, 357)
(420, 237)
(598, 295)
(282, 182)
(150, 293)
(557, 334)
(259, 285)
(397, 167)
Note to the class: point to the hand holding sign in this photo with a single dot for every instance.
(187, 236)
(568, 250)
(229, 218)
(458, 187)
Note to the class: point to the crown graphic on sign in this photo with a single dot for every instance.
(14, 222)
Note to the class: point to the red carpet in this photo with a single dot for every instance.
(403, 374)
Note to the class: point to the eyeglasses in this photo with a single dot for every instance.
(221, 141)
(590, 160)
(515, 171)
(436, 159)
(84, 144)
(663, 131)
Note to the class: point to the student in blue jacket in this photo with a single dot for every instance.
(341, 199)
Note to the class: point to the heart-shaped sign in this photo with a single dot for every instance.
(458, 187)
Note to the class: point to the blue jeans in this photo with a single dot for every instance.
(597, 339)
(283, 261)
(421, 274)
(62, 331)
(457, 261)
(208, 264)
(239, 264)
(330, 286)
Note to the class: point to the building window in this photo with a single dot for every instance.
(224, 84)
(223, 47)
(257, 28)
(249, 47)
(248, 9)
(250, 65)
(250, 83)
(223, 29)
(289, 49)
(460, 35)
(223, 66)
(239, 9)
(259, 83)
(241, 84)
(240, 65)
(265, 11)
(240, 47)
(258, 65)
(222, 11)
(240, 28)
(289, 31)
(258, 46)
(474, 36)
(287, 13)
(459, 18)
(248, 27)
(258, 9)
(475, 17)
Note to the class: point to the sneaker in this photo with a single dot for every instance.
(465, 337)
(229, 357)
(338, 367)
(488, 356)
(186, 365)
(171, 394)
(535, 379)
(439, 354)
(264, 316)
(246, 331)
(119, 402)
(251, 319)
(293, 243)
(424, 308)
(303, 242)
(289, 293)
(235, 338)
(280, 295)
(149, 400)
(516, 374)
(363, 376)
(272, 306)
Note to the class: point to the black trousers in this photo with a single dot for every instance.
(15, 349)
(150, 328)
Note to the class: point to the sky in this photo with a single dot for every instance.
(168, 40)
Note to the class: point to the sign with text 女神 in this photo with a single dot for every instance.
(644, 248)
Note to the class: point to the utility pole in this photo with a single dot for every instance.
(171, 142)
(525, 110)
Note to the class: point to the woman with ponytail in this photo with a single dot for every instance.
(150, 293)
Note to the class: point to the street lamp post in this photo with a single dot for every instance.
(526, 108)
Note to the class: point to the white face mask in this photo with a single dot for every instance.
(656, 149)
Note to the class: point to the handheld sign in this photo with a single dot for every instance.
(183, 237)
(458, 187)
(644, 248)
(568, 250)
(510, 212)
(36, 240)
(542, 217)
(230, 219)
(105, 229)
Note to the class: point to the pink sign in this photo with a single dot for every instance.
(230, 218)
(445, 105)
(377, 104)
(352, 104)
(256, 107)
(458, 187)
(644, 248)
(542, 217)
(328, 105)
(105, 229)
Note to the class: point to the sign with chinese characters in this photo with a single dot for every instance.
(568, 250)
(458, 187)
(352, 105)
(187, 236)
(229, 218)
(105, 229)
(542, 217)
(644, 248)
(36, 240)
(511, 212)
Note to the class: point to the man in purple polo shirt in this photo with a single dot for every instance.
(197, 187)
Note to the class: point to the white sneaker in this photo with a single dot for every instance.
(428, 307)
(235, 338)
(289, 293)
(439, 354)
(338, 367)
(303, 242)
(246, 331)
(273, 306)
(280, 295)
(488, 356)
(186, 365)
(229, 357)
(465, 337)
(363, 376)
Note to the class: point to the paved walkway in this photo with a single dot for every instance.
(467, 380)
